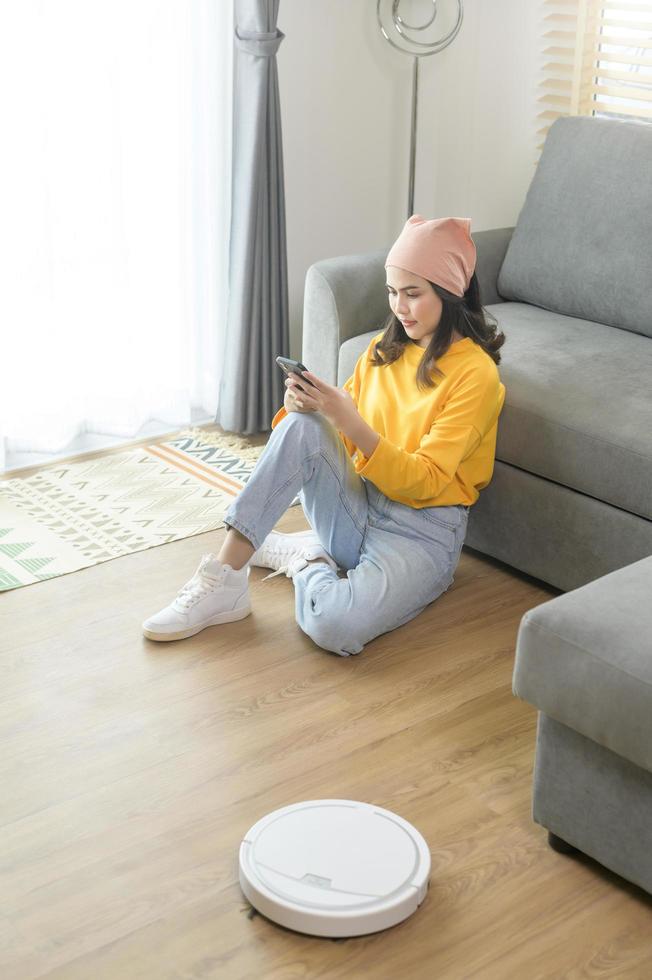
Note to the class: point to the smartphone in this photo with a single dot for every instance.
(296, 367)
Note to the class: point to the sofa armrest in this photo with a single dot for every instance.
(345, 297)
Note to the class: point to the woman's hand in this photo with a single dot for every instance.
(290, 401)
(335, 404)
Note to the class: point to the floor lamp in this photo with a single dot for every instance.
(406, 44)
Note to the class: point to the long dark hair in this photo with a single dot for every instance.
(462, 313)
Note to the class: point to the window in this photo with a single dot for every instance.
(597, 61)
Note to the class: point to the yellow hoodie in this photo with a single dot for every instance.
(437, 446)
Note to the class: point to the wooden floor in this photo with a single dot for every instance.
(131, 770)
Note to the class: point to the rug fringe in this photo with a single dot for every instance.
(239, 444)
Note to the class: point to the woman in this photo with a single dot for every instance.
(386, 467)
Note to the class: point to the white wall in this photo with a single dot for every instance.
(346, 103)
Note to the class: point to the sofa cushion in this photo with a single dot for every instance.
(581, 245)
(577, 407)
(585, 659)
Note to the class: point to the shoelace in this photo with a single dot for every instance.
(199, 586)
(288, 567)
(190, 594)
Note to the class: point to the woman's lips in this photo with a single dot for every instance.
(408, 323)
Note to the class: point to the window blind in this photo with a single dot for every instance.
(597, 61)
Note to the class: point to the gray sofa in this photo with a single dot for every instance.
(584, 659)
(571, 285)
(570, 500)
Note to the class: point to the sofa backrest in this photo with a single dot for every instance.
(582, 244)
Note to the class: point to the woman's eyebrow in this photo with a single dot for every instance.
(403, 288)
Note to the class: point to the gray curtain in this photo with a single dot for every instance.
(257, 330)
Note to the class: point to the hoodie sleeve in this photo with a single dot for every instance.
(282, 412)
(453, 436)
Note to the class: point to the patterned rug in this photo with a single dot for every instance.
(74, 514)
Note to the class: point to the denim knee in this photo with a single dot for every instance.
(312, 422)
(322, 617)
(330, 636)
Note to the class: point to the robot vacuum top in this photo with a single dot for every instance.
(334, 867)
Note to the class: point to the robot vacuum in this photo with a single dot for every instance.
(334, 868)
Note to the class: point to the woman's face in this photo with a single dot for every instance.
(416, 304)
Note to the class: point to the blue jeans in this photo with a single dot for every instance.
(397, 559)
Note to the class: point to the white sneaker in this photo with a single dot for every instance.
(289, 553)
(215, 594)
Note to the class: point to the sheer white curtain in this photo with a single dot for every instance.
(115, 211)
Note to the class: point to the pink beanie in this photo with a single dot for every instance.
(440, 249)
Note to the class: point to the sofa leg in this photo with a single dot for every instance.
(560, 845)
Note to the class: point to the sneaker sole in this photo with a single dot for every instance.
(231, 616)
